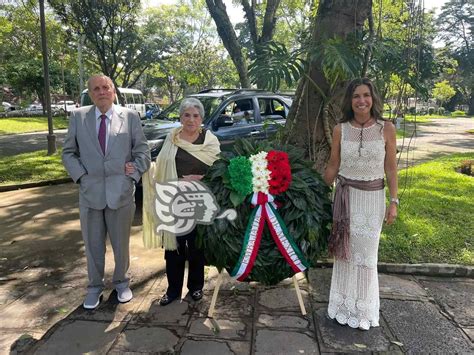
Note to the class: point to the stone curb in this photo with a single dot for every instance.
(29, 185)
(425, 269)
(58, 130)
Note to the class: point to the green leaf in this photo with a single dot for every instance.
(236, 198)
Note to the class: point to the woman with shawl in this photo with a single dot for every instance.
(187, 153)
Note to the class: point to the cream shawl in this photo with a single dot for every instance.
(164, 169)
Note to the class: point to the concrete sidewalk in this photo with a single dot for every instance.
(433, 139)
(42, 285)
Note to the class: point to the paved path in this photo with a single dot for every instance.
(42, 278)
(13, 144)
(435, 138)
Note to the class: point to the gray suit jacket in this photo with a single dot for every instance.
(102, 177)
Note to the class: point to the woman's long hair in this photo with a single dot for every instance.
(377, 107)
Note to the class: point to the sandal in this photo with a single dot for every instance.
(197, 295)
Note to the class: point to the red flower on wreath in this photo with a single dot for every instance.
(280, 172)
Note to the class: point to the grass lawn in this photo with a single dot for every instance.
(31, 167)
(435, 222)
(425, 118)
(14, 125)
(401, 133)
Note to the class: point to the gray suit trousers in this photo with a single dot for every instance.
(95, 225)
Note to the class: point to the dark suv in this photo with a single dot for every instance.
(229, 114)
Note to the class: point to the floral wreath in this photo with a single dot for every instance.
(283, 213)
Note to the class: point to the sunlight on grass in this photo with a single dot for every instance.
(31, 167)
(15, 125)
(413, 118)
(401, 133)
(435, 222)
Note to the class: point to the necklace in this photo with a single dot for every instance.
(361, 133)
(363, 123)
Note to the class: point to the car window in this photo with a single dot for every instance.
(172, 111)
(241, 112)
(210, 105)
(271, 108)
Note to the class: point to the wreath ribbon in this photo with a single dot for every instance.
(266, 213)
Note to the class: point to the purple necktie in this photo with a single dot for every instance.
(102, 132)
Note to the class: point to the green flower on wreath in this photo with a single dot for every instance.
(240, 173)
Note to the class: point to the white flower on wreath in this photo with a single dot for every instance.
(261, 156)
(260, 172)
(260, 184)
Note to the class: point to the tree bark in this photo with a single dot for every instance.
(249, 11)
(471, 104)
(315, 109)
(227, 34)
(269, 21)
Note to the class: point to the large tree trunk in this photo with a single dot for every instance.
(227, 34)
(269, 21)
(315, 109)
(471, 104)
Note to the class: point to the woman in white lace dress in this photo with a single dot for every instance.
(363, 152)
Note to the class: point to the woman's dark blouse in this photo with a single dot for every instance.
(187, 164)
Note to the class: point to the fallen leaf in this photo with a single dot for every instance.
(396, 342)
(360, 346)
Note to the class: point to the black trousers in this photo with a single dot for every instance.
(175, 263)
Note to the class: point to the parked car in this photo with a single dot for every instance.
(64, 106)
(229, 114)
(152, 110)
(34, 107)
(151, 105)
(6, 106)
(37, 110)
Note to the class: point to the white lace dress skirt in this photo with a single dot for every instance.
(354, 294)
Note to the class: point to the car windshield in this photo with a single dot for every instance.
(172, 111)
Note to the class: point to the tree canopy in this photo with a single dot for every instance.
(171, 50)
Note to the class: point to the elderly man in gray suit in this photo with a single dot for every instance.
(105, 151)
